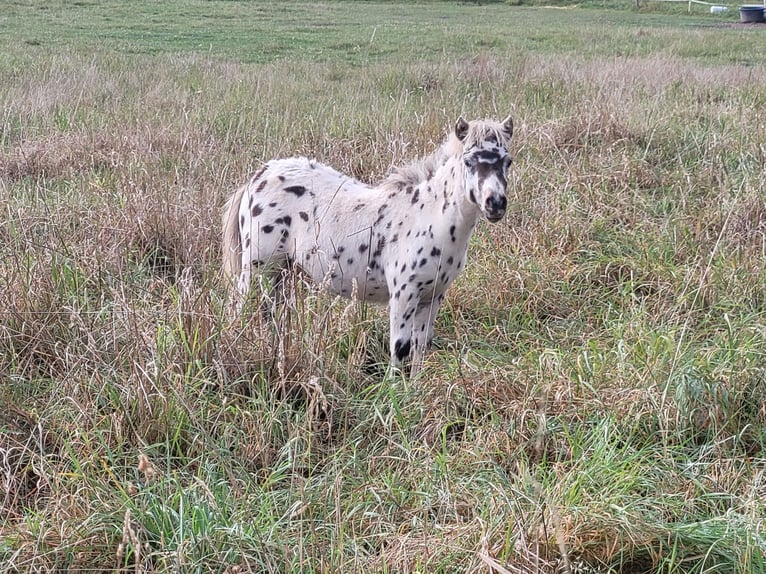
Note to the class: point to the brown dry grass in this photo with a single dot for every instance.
(598, 387)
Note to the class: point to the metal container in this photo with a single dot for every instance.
(751, 14)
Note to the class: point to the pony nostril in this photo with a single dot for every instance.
(496, 204)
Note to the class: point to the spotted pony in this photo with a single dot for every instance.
(400, 242)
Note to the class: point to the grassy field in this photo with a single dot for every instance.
(596, 402)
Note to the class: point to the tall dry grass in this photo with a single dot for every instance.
(596, 400)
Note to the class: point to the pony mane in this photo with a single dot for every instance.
(417, 170)
(423, 168)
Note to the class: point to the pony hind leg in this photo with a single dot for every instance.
(269, 279)
(274, 285)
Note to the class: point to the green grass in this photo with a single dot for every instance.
(365, 33)
(595, 402)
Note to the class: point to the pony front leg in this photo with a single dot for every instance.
(401, 316)
(412, 329)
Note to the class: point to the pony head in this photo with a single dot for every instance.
(486, 159)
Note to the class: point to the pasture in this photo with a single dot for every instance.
(596, 401)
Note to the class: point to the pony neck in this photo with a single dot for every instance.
(452, 170)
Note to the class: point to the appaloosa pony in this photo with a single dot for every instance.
(400, 242)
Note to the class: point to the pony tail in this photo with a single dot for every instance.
(231, 243)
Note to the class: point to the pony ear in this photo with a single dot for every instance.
(508, 127)
(461, 128)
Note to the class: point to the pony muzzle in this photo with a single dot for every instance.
(494, 208)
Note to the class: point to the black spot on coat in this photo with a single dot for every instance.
(286, 220)
(402, 349)
(298, 190)
(258, 174)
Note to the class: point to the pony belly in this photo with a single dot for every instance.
(372, 291)
(349, 283)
